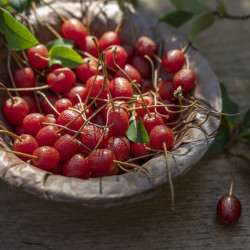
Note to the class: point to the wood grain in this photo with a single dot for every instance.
(27, 222)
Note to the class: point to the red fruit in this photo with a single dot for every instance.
(48, 158)
(19, 130)
(16, 111)
(57, 170)
(131, 71)
(47, 136)
(66, 146)
(142, 65)
(71, 94)
(53, 67)
(151, 121)
(34, 59)
(87, 113)
(121, 87)
(91, 135)
(27, 145)
(166, 89)
(160, 134)
(139, 149)
(61, 80)
(146, 85)
(33, 108)
(184, 78)
(87, 69)
(46, 108)
(67, 116)
(62, 104)
(109, 106)
(51, 118)
(173, 61)
(120, 59)
(119, 121)
(32, 123)
(101, 161)
(229, 209)
(171, 115)
(89, 46)
(120, 146)
(146, 46)
(108, 39)
(130, 51)
(149, 102)
(98, 119)
(76, 166)
(24, 78)
(74, 29)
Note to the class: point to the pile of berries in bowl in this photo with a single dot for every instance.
(139, 111)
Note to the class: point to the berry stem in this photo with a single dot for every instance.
(8, 92)
(20, 153)
(53, 30)
(157, 58)
(11, 134)
(28, 89)
(48, 102)
(169, 175)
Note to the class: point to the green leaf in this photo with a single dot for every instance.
(18, 37)
(5, 4)
(176, 18)
(229, 107)
(137, 132)
(245, 133)
(21, 5)
(193, 6)
(60, 42)
(65, 56)
(221, 8)
(246, 120)
(201, 23)
(219, 142)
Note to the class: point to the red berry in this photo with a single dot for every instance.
(120, 146)
(61, 80)
(32, 123)
(142, 65)
(109, 107)
(46, 107)
(119, 121)
(121, 87)
(34, 59)
(66, 146)
(62, 104)
(48, 158)
(76, 166)
(149, 102)
(173, 61)
(89, 46)
(24, 78)
(184, 78)
(33, 108)
(146, 85)
(172, 115)
(229, 209)
(51, 118)
(71, 94)
(74, 29)
(19, 130)
(160, 134)
(16, 111)
(90, 136)
(146, 46)
(101, 161)
(27, 145)
(87, 69)
(108, 39)
(47, 136)
(151, 121)
(139, 149)
(120, 58)
(131, 71)
(166, 89)
(130, 51)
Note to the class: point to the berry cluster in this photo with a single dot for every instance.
(77, 125)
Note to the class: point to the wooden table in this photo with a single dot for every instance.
(27, 222)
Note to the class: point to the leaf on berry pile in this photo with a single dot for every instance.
(21, 5)
(65, 56)
(201, 23)
(193, 6)
(221, 8)
(5, 4)
(246, 120)
(229, 107)
(176, 18)
(60, 42)
(219, 142)
(137, 132)
(18, 37)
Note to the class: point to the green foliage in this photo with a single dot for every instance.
(60, 42)
(176, 18)
(19, 5)
(201, 23)
(17, 36)
(137, 132)
(65, 56)
(193, 6)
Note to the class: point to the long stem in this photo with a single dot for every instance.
(20, 153)
(8, 92)
(11, 134)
